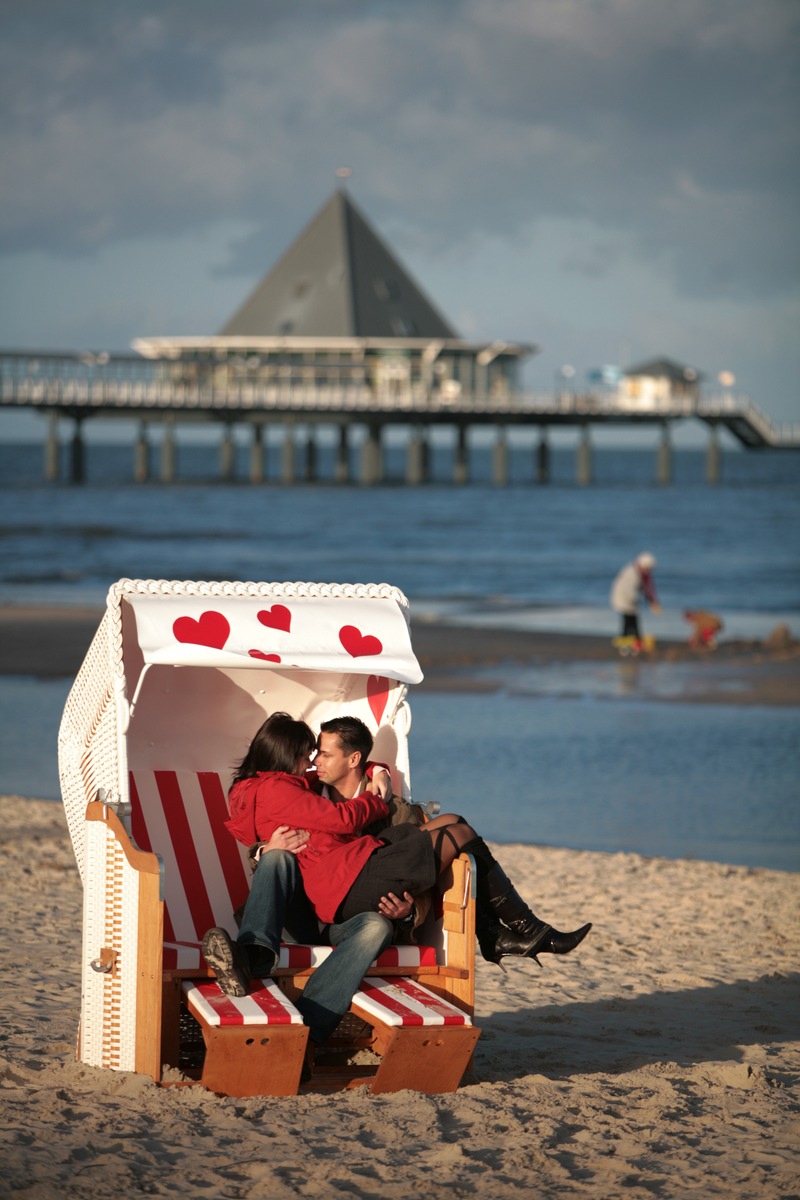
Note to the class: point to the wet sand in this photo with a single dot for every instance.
(51, 642)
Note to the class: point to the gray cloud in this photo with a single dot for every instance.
(671, 125)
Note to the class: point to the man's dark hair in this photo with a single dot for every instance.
(352, 734)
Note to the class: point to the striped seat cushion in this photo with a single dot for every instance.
(187, 956)
(300, 957)
(265, 1004)
(404, 1002)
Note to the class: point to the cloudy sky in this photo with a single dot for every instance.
(611, 179)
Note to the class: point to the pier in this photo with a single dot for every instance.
(71, 390)
(338, 337)
(339, 342)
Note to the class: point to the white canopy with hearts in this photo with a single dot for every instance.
(363, 635)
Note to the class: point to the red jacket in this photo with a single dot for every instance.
(335, 852)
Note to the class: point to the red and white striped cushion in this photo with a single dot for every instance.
(405, 1002)
(301, 957)
(187, 956)
(265, 1005)
(181, 815)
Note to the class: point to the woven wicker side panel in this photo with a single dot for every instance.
(87, 739)
(110, 930)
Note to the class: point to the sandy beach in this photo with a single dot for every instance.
(663, 1058)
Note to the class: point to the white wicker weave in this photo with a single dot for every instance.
(108, 1022)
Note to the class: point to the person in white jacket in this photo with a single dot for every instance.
(633, 581)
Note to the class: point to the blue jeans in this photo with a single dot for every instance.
(277, 901)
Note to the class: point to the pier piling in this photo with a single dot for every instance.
(461, 459)
(227, 455)
(500, 459)
(543, 459)
(416, 459)
(141, 456)
(257, 472)
(77, 453)
(371, 456)
(311, 457)
(713, 457)
(52, 450)
(168, 452)
(342, 472)
(583, 460)
(664, 457)
(288, 456)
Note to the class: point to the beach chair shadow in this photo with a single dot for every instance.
(176, 680)
(614, 1036)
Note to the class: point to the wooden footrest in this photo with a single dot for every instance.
(255, 1044)
(425, 1042)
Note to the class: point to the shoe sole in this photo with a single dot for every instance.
(218, 953)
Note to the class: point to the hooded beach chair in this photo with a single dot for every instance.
(175, 683)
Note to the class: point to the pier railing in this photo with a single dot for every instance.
(94, 385)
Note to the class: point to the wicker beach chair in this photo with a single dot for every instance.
(178, 677)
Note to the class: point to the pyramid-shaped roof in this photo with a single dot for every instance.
(338, 279)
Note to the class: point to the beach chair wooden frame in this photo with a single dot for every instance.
(177, 678)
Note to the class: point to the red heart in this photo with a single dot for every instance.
(277, 617)
(210, 629)
(377, 694)
(266, 657)
(358, 644)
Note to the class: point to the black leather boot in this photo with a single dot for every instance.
(495, 941)
(508, 905)
(503, 899)
(562, 943)
(500, 899)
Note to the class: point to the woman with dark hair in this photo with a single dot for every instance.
(346, 872)
(280, 741)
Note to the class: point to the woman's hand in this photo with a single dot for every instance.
(393, 908)
(286, 838)
(381, 783)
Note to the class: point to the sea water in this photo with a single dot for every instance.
(581, 756)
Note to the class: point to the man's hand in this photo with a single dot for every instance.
(286, 838)
(381, 783)
(393, 908)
